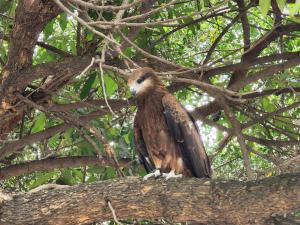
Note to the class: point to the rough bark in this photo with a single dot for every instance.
(205, 201)
(31, 17)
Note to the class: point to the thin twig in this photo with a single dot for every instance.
(82, 22)
(104, 90)
(105, 7)
(88, 67)
(147, 54)
(222, 144)
(237, 129)
(103, 83)
(76, 123)
(114, 213)
(209, 88)
(182, 17)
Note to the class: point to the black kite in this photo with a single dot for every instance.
(165, 135)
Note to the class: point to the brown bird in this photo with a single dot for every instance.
(166, 136)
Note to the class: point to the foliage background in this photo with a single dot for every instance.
(202, 36)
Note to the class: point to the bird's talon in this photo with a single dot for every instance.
(171, 175)
(155, 174)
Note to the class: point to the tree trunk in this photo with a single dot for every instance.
(201, 200)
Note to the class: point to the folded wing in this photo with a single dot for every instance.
(141, 148)
(186, 134)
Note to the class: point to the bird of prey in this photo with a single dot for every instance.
(166, 137)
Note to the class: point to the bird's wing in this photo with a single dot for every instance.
(185, 132)
(141, 148)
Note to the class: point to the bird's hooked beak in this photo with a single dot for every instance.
(133, 91)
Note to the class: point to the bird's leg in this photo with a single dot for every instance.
(171, 174)
(155, 173)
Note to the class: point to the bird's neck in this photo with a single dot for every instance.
(154, 94)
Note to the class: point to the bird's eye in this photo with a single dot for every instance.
(140, 80)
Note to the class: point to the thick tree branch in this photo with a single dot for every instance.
(205, 201)
(67, 67)
(214, 107)
(249, 63)
(42, 45)
(245, 23)
(64, 69)
(116, 105)
(13, 146)
(56, 163)
(32, 16)
(277, 91)
(272, 70)
(53, 49)
(30, 19)
(100, 103)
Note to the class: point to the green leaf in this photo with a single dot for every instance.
(53, 141)
(199, 6)
(86, 149)
(88, 85)
(63, 21)
(39, 123)
(281, 4)
(294, 19)
(110, 173)
(68, 135)
(91, 179)
(129, 52)
(12, 9)
(42, 179)
(295, 8)
(127, 138)
(67, 177)
(110, 85)
(49, 29)
(264, 6)
(192, 26)
(267, 105)
(89, 35)
(96, 82)
(206, 3)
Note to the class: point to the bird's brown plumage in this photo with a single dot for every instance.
(166, 136)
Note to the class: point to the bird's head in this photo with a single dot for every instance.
(142, 81)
